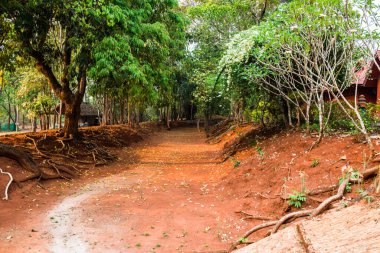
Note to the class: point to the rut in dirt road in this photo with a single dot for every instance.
(163, 202)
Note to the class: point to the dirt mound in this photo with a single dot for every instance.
(53, 157)
(244, 137)
(276, 164)
(112, 136)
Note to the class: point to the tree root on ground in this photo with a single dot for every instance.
(9, 183)
(312, 212)
(54, 161)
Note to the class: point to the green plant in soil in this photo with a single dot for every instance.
(364, 194)
(260, 152)
(314, 163)
(296, 199)
(236, 162)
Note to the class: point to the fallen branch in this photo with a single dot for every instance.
(9, 183)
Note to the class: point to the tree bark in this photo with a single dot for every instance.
(42, 125)
(298, 118)
(206, 121)
(307, 119)
(18, 155)
(62, 89)
(105, 112)
(130, 120)
(289, 113)
(122, 111)
(60, 114)
(34, 124)
(9, 117)
(72, 115)
(54, 119)
(168, 117)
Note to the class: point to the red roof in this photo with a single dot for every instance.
(362, 75)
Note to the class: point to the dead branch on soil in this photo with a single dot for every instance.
(253, 217)
(9, 183)
(312, 212)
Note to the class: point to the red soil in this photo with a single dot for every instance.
(168, 194)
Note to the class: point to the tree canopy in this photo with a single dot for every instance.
(268, 62)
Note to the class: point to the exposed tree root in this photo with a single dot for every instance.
(253, 217)
(251, 231)
(24, 159)
(9, 183)
(51, 156)
(312, 212)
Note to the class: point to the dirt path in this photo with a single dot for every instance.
(164, 200)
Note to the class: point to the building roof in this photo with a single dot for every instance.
(368, 71)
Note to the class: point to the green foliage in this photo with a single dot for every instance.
(314, 163)
(364, 194)
(243, 239)
(354, 174)
(260, 152)
(121, 48)
(214, 23)
(340, 121)
(296, 199)
(236, 162)
(258, 56)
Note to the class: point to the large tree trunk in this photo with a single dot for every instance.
(72, 115)
(71, 98)
(42, 123)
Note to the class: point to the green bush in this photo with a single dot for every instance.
(340, 121)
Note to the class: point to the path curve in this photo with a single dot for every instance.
(161, 203)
